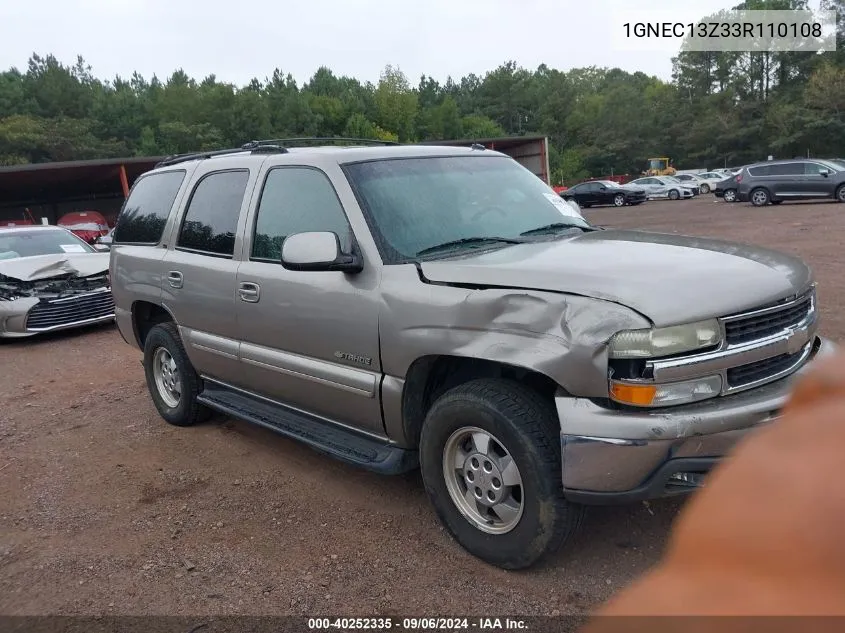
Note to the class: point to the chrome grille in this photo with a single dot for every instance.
(763, 370)
(56, 313)
(763, 323)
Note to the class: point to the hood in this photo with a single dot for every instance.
(58, 265)
(669, 279)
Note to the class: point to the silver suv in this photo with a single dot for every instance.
(437, 307)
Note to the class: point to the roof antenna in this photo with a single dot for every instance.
(478, 146)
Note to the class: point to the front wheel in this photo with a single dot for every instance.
(171, 379)
(840, 194)
(730, 195)
(705, 188)
(674, 195)
(491, 463)
(759, 197)
(618, 200)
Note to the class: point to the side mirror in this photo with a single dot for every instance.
(99, 246)
(824, 172)
(318, 251)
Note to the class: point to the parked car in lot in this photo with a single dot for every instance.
(87, 225)
(528, 362)
(705, 181)
(772, 182)
(50, 280)
(727, 188)
(604, 192)
(662, 187)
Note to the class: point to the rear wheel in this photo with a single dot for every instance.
(730, 195)
(705, 188)
(619, 200)
(491, 463)
(759, 197)
(171, 379)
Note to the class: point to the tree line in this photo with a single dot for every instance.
(719, 109)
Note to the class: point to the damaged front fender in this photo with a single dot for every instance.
(560, 336)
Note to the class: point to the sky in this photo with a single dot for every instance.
(238, 40)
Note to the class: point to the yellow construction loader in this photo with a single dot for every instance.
(660, 167)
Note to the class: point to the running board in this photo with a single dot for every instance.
(341, 443)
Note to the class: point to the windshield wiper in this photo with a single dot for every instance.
(554, 227)
(468, 240)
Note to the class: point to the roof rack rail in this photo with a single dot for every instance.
(175, 159)
(289, 142)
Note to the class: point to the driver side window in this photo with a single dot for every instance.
(296, 200)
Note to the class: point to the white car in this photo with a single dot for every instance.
(705, 182)
(663, 187)
(51, 280)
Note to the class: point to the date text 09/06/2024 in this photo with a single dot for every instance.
(416, 624)
(722, 29)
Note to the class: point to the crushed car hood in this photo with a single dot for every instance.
(670, 279)
(59, 265)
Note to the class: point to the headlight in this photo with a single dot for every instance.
(665, 341)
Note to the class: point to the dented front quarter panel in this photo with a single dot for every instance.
(559, 335)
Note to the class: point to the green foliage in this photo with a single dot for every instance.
(721, 108)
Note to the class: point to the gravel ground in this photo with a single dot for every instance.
(105, 509)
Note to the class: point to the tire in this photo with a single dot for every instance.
(520, 423)
(674, 195)
(163, 342)
(759, 197)
(618, 200)
(705, 188)
(729, 195)
(840, 193)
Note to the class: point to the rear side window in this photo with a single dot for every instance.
(145, 212)
(297, 200)
(788, 169)
(212, 215)
(765, 170)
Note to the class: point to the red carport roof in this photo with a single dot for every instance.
(71, 180)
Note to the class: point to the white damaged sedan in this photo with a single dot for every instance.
(51, 280)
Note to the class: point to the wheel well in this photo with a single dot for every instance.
(431, 376)
(145, 316)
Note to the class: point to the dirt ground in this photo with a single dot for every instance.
(105, 509)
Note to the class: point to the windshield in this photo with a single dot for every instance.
(608, 183)
(835, 164)
(419, 203)
(672, 179)
(22, 243)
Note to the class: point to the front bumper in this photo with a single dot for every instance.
(613, 456)
(15, 317)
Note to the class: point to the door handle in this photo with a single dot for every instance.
(249, 291)
(175, 279)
